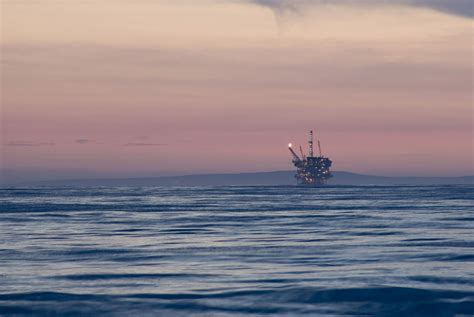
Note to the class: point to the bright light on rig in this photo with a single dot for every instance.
(289, 144)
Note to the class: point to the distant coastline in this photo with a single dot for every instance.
(249, 179)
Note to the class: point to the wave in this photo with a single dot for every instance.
(148, 276)
(381, 301)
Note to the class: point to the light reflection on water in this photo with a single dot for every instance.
(237, 250)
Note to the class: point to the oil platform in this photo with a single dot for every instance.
(311, 170)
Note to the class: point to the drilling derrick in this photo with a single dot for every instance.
(311, 170)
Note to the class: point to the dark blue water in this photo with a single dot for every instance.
(237, 251)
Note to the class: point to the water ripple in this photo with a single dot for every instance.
(237, 251)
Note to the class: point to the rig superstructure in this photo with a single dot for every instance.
(311, 170)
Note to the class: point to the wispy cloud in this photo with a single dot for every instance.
(456, 7)
(144, 144)
(84, 141)
(21, 143)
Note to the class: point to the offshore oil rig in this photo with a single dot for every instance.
(311, 170)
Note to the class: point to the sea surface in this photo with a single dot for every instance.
(237, 251)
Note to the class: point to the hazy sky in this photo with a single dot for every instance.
(141, 87)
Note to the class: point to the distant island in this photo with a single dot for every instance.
(249, 179)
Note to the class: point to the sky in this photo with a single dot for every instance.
(123, 88)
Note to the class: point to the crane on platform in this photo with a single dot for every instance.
(302, 153)
(296, 158)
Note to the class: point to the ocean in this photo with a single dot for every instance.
(237, 251)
